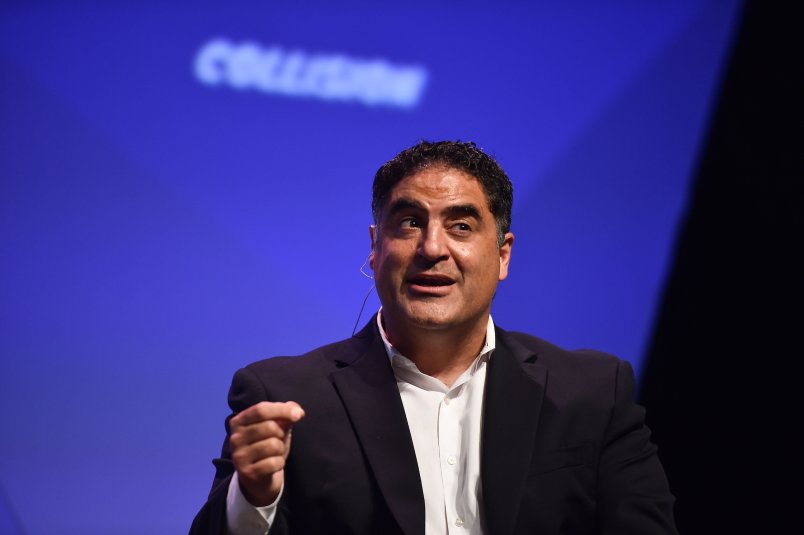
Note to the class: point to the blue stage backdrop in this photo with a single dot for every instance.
(185, 188)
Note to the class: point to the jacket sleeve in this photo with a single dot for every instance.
(634, 496)
(245, 391)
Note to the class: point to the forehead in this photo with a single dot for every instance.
(438, 185)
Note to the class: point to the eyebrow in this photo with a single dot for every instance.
(458, 210)
(463, 210)
(403, 204)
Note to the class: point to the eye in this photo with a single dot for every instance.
(462, 227)
(409, 222)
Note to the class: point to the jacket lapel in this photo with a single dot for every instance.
(514, 391)
(368, 390)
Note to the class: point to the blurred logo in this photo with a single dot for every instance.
(332, 77)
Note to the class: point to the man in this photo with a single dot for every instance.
(432, 419)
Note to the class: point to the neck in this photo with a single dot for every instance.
(440, 353)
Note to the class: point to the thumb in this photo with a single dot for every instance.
(295, 414)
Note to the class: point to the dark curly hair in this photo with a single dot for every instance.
(466, 157)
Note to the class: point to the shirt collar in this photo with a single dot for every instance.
(488, 346)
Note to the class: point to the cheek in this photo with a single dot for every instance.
(392, 255)
(384, 264)
(463, 252)
(465, 256)
(474, 260)
(485, 269)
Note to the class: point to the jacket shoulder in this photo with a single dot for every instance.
(313, 358)
(323, 359)
(578, 366)
(544, 350)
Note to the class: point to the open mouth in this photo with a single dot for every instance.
(431, 281)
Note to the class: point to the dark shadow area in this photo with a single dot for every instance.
(720, 382)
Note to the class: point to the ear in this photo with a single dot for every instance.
(505, 254)
(372, 237)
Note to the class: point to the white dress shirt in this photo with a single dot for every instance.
(445, 425)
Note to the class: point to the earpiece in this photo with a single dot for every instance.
(364, 265)
(354, 329)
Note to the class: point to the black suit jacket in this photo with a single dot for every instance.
(564, 447)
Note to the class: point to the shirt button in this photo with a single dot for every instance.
(459, 522)
(446, 400)
(451, 459)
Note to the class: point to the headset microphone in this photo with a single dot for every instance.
(357, 322)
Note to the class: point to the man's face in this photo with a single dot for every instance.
(435, 256)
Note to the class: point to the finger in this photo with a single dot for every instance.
(242, 435)
(289, 411)
(262, 468)
(259, 451)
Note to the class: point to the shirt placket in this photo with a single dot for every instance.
(449, 441)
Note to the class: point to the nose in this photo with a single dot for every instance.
(433, 245)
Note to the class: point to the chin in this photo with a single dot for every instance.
(430, 317)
